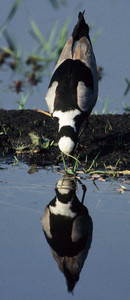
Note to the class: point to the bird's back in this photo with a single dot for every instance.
(73, 88)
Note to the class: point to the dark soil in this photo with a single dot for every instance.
(107, 136)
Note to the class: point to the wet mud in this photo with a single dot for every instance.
(33, 137)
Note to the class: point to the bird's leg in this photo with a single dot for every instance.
(84, 190)
(84, 125)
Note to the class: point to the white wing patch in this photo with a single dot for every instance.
(85, 97)
(45, 220)
(50, 96)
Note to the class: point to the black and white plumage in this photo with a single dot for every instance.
(73, 88)
(68, 229)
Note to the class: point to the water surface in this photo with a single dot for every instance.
(111, 48)
(28, 269)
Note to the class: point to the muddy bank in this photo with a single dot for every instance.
(33, 136)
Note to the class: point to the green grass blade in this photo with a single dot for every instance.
(61, 40)
(93, 162)
(10, 16)
(53, 34)
(10, 41)
(76, 159)
(55, 3)
(105, 105)
(97, 35)
(40, 38)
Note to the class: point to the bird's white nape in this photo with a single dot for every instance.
(63, 209)
(66, 144)
(66, 118)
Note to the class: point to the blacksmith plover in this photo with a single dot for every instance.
(73, 89)
(68, 229)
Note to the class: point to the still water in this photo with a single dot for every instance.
(30, 252)
(111, 48)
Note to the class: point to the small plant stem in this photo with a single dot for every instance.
(93, 162)
(44, 112)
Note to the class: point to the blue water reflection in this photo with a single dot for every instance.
(68, 229)
(111, 48)
(28, 269)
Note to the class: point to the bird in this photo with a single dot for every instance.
(73, 88)
(68, 229)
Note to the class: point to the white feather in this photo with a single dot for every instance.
(85, 97)
(50, 96)
(45, 220)
(66, 118)
(62, 209)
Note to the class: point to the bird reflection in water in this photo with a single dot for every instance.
(68, 229)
